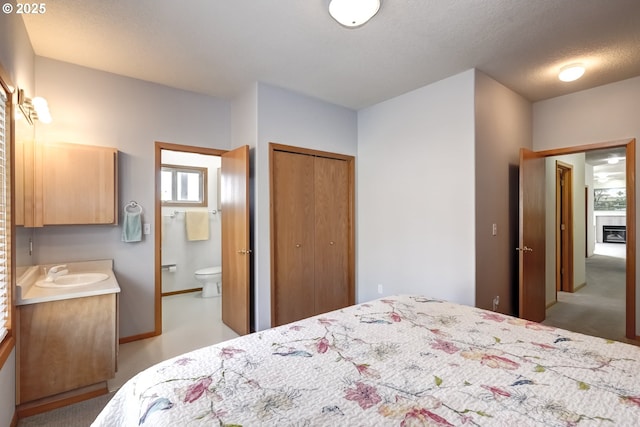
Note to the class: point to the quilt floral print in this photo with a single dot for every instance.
(403, 361)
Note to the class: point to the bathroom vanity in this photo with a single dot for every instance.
(67, 334)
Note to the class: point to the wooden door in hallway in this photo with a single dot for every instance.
(531, 258)
(564, 227)
(236, 250)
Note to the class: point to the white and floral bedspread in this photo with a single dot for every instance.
(402, 360)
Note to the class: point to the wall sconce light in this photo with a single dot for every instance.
(34, 109)
(353, 13)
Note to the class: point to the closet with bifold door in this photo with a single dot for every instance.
(312, 232)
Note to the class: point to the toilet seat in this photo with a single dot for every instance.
(208, 270)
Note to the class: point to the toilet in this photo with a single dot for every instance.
(211, 278)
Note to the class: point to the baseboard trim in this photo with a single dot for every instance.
(59, 400)
(183, 291)
(138, 337)
(577, 288)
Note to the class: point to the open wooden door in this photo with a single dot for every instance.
(236, 253)
(531, 258)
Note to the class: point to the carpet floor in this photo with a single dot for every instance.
(79, 414)
(598, 308)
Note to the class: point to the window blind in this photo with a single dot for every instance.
(4, 225)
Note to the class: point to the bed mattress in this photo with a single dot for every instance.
(402, 360)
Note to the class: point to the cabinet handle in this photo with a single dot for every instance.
(332, 243)
(298, 245)
(244, 251)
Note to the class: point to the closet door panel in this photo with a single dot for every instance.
(331, 234)
(293, 200)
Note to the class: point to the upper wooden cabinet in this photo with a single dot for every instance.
(66, 184)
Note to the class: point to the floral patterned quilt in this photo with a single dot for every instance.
(402, 360)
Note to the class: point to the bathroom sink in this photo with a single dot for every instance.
(73, 279)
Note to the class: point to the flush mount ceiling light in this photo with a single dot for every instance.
(614, 160)
(353, 13)
(572, 72)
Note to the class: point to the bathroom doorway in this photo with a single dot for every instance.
(190, 232)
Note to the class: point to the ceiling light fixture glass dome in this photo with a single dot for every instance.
(572, 72)
(353, 13)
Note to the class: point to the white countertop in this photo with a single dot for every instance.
(28, 293)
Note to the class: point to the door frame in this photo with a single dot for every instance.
(564, 215)
(630, 268)
(159, 146)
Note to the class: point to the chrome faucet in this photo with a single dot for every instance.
(56, 271)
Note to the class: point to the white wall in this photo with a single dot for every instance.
(189, 256)
(98, 108)
(17, 58)
(416, 186)
(604, 113)
(579, 238)
(288, 118)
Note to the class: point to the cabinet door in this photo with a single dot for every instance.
(292, 240)
(331, 234)
(65, 345)
(18, 183)
(78, 184)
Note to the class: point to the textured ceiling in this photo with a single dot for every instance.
(220, 47)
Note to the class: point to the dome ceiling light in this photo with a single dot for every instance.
(572, 72)
(353, 13)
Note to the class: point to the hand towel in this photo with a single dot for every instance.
(132, 227)
(197, 223)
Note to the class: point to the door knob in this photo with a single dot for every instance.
(332, 243)
(525, 249)
(244, 251)
(298, 245)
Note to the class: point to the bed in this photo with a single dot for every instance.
(401, 360)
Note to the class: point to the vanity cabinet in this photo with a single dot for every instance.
(65, 345)
(66, 184)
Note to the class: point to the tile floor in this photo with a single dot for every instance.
(189, 322)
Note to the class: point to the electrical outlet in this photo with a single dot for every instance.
(380, 288)
(147, 228)
(494, 230)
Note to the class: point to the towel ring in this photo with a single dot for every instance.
(133, 207)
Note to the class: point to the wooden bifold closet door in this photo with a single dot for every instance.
(312, 233)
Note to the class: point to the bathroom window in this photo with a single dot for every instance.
(183, 185)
